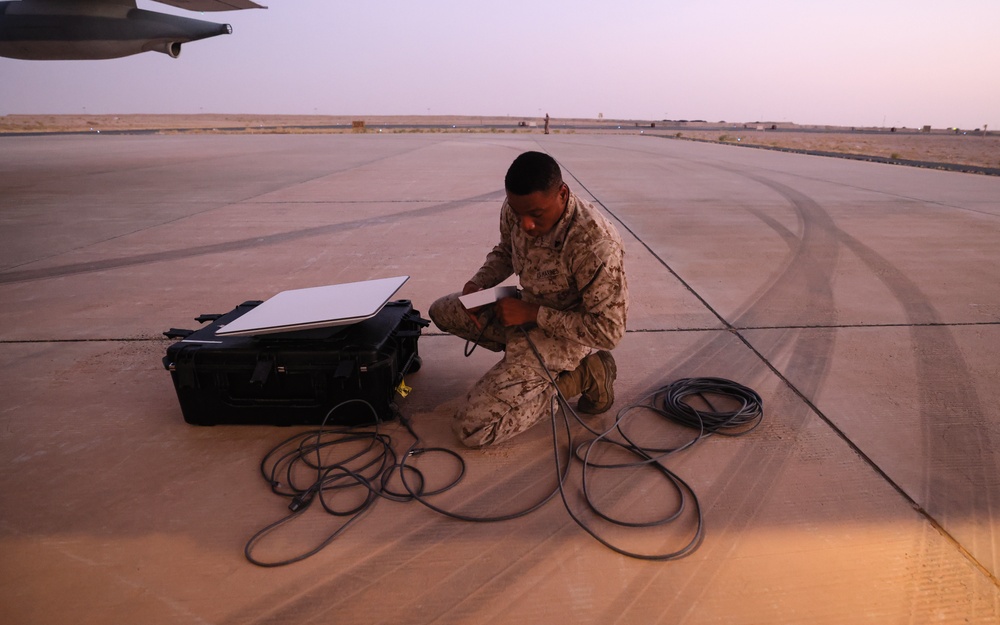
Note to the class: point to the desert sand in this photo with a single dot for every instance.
(938, 145)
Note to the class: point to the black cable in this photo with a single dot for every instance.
(303, 453)
(674, 407)
(490, 313)
(420, 497)
(374, 464)
(679, 486)
(724, 422)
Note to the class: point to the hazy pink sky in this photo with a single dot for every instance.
(850, 62)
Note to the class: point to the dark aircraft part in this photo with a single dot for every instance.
(59, 30)
(213, 5)
(170, 48)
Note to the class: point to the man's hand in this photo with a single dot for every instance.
(516, 312)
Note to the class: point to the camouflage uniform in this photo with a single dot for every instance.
(575, 273)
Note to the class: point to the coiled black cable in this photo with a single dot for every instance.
(736, 422)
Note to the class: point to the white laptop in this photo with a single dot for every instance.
(316, 307)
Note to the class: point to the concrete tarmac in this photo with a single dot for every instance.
(860, 300)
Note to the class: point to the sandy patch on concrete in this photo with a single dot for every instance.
(937, 146)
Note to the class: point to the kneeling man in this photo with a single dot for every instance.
(569, 260)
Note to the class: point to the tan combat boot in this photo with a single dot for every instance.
(594, 380)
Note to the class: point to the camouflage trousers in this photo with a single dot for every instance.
(516, 393)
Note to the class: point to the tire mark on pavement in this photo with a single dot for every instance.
(27, 275)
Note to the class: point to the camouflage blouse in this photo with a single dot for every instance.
(575, 273)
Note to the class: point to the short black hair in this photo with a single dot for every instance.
(531, 172)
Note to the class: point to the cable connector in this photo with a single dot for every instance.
(302, 500)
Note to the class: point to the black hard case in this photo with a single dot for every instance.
(295, 378)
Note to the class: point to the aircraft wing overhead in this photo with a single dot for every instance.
(47, 30)
(212, 5)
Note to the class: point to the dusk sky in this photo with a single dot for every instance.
(901, 63)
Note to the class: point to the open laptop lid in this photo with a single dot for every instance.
(316, 307)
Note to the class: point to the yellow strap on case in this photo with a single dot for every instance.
(403, 389)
